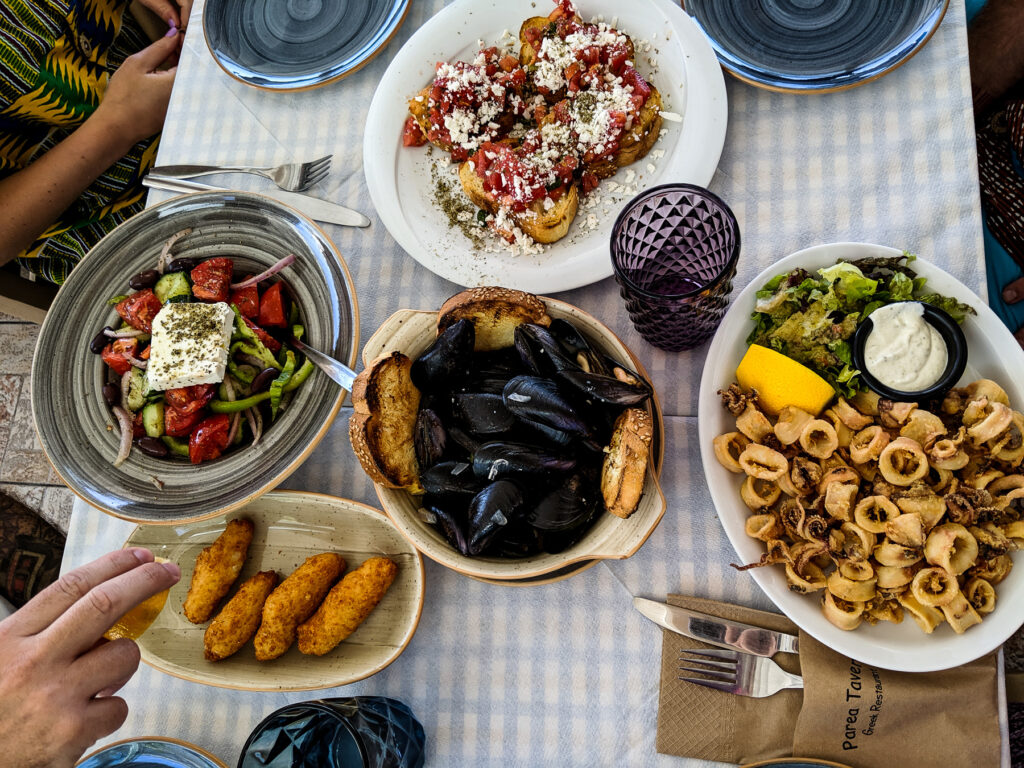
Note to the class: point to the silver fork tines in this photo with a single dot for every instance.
(292, 177)
(734, 672)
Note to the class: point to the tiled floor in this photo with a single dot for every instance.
(25, 473)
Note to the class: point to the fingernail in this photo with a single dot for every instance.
(1010, 294)
(142, 555)
(173, 29)
(173, 569)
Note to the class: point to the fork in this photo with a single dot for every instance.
(293, 177)
(734, 672)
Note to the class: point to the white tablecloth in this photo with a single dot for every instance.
(567, 674)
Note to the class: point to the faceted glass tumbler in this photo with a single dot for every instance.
(355, 732)
(674, 251)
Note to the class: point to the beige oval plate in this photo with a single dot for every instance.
(289, 527)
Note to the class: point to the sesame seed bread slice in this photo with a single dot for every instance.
(625, 462)
(495, 314)
(385, 404)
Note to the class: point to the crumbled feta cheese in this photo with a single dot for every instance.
(190, 345)
(672, 116)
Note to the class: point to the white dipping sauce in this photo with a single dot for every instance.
(903, 350)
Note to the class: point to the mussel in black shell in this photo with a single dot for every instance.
(430, 438)
(540, 351)
(529, 462)
(568, 505)
(447, 361)
(450, 479)
(452, 525)
(481, 413)
(542, 401)
(491, 511)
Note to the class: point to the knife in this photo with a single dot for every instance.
(314, 207)
(715, 631)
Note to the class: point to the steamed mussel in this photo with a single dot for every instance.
(510, 440)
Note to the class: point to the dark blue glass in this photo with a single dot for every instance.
(356, 732)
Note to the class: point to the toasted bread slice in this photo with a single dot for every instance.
(527, 53)
(385, 404)
(641, 137)
(419, 108)
(543, 225)
(495, 314)
(625, 463)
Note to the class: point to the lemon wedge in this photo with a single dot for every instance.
(782, 381)
(139, 618)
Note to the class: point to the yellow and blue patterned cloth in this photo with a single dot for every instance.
(56, 57)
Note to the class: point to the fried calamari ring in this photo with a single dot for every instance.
(851, 417)
(728, 448)
(791, 423)
(923, 427)
(843, 432)
(873, 512)
(1009, 446)
(934, 587)
(981, 595)
(841, 613)
(850, 590)
(762, 462)
(993, 570)
(893, 577)
(995, 419)
(840, 499)
(841, 474)
(851, 542)
(902, 462)
(907, 529)
(764, 527)
(758, 494)
(960, 614)
(861, 570)
(753, 423)
(927, 618)
(896, 555)
(989, 390)
(947, 454)
(819, 439)
(867, 444)
(805, 476)
(952, 547)
(812, 579)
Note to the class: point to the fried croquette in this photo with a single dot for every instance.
(346, 606)
(239, 618)
(294, 601)
(217, 567)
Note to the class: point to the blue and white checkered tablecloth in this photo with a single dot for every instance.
(567, 674)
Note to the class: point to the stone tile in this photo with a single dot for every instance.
(5, 318)
(29, 495)
(22, 466)
(56, 507)
(17, 342)
(10, 388)
(22, 427)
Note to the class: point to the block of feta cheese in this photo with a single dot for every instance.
(190, 345)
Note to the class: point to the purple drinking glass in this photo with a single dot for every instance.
(674, 252)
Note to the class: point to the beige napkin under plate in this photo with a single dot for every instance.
(945, 718)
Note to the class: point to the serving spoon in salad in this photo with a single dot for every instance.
(339, 372)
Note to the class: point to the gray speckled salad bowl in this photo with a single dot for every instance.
(76, 428)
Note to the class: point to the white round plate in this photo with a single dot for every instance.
(399, 178)
(993, 354)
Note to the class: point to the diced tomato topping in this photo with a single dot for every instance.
(187, 400)
(139, 309)
(211, 280)
(209, 439)
(178, 424)
(247, 300)
(508, 63)
(412, 134)
(144, 355)
(272, 307)
(114, 355)
(138, 429)
(268, 341)
(590, 183)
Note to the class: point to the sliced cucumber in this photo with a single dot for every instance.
(173, 287)
(138, 386)
(153, 419)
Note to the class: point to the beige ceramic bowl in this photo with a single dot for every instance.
(610, 538)
(289, 527)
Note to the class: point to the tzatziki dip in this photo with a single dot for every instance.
(904, 351)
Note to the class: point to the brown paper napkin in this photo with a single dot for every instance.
(947, 719)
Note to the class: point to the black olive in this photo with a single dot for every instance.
(99, 341)
(151, 446)
(112, 394)
(263, 379)
(145, 279)
(184, 264)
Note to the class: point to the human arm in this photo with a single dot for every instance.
(56, 682)
(132, 109)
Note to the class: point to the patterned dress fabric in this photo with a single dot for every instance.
(56, 58)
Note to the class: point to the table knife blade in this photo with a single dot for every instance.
(714, 631)
(314, 207)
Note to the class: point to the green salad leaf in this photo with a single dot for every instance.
(811, 316)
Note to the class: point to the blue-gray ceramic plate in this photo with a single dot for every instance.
(76, 428)
(815, 45)
(290, 45)
(150, 752)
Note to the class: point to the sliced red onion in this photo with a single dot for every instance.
(236, 419)
(229, 389)
(126, 383)
(125, 422)
(264, 275)
(166, 250)
(255, 423)
(123, 333)
(138, 363)
(251, 360)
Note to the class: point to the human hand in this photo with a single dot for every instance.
(135, 102)
(174, 12)
(57, 679)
